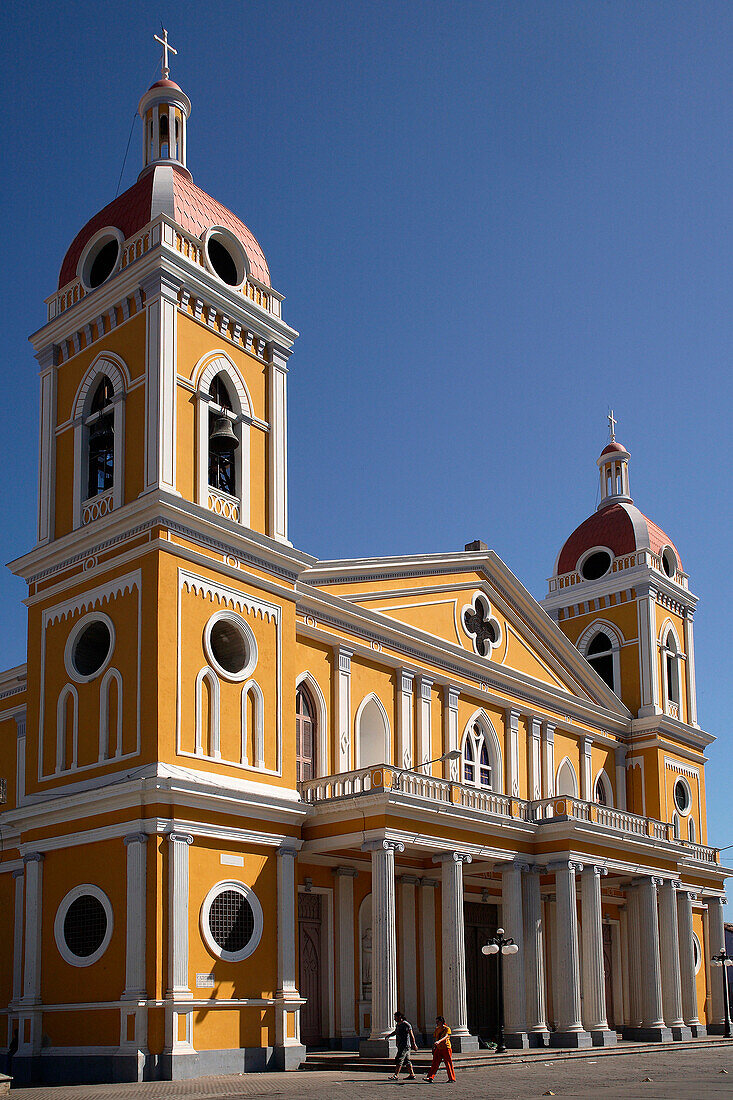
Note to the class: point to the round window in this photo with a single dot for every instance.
(89, 647)
(100, 257)
(231, 921)
(83, 925)
(230, 645)
(669, 561)
(596, 565)
(682, 799)
(224, 256)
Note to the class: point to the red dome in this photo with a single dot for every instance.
(165, 83)
(165, 190)
(613, 448)
(620, 527)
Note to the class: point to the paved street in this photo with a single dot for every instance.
(675, 1075)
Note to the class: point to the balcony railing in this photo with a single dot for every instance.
(643, 557)
(383, 778)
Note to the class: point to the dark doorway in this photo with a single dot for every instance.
(309, 967)
(480, 921)
(607, 972)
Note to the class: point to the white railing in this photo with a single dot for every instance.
(643, 557)
(96, 507)
(397, 781)
(223, 504)
(673, 709)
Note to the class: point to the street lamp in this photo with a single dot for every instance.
(453, 754)
(500, 945)
(723, 959)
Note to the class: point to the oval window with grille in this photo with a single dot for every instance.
(231, 921)
(83, 925)
(230, 645)
(596, 565)
(89, 647)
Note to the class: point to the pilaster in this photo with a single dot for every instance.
(424, 720)
(690, 667)
(19, 878)
(47, 361)
(646, 605)
(512, 753)
(405, 709)
(161, 306)
(548, 759)
(586, 770)
(31, 999)
(620, 761)
(277, 374)
(345, 990)
(450, 732)
(178, 844)
(342, 681)
(408, 947)
(135, 978)
(535, 760)
(288, 1052)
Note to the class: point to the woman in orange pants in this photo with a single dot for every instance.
(441, 1050)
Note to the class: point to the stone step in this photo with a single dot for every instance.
(421, 1059)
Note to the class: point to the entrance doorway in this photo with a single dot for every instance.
(310, 942)
(480, 920)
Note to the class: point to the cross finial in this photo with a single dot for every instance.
(166, 50)
(612, 426)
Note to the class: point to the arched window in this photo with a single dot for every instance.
(600, 793)
(671, 660)
(305, 734)
(691, 832)
(100, 429)
(67, 729)
(600, 656)
(253, 724)
(372, 734)
(603, 792)
(676, 826)
(223, 439)
(207, 713)
(567, 783)
(476, 761)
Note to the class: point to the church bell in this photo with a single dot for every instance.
(222, 437)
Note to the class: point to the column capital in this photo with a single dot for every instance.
(430, 882)
(549, 729)
(48, 356)
(383, 845)
(407, 880)
(34, 857)
(425, 685)
(672, 883)
(565, 865)
(716, 900)
(451, 696)
(343, 656)
(595, 868)
(512, 716)
(512, 865)
(686, 892)
(643, 880)
(19, 873)
(537, 869)
(136, 838)
(288, 850)
(407, 680)
(180, 838)
(345, 872)
(453, 857)
(587, 745)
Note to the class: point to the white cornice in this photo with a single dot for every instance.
(613, 583)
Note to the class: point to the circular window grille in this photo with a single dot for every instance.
(224, 256)
(89, 647)
(230, 645)
(595, 565)
(682, 798)
(83, 925)
(231, 921)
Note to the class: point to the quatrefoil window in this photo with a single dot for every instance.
(481, 626)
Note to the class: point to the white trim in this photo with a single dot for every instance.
(482, 597)
(94, 245)
(248, 893)
(104, 731)
(588, 554)
(58, 925)
(113, 367)
(314, 687)
(688, 789)
(481, 718)
(603, 778)
(234, 247)
(258, 733)
(62, 733)
(249, 639)
(208, 367)
(574, 793)
(212, 734)
(76, 630)
(328, 986)
(372, 697)
(616, 638)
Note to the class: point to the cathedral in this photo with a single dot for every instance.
(254, 801)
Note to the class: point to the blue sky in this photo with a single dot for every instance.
(491, 221)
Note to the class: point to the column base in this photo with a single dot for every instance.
(516, 1040)
(603, 1038)
(288, 1057)
(378, 1048)
(716, 1029)
(698, 1031)
(539, 1038)
(580, 1040)
(681, 1033)
(463, 1044)
(648, 1034)
(345, 1042)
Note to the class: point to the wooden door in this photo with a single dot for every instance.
(305, 728)
(480, 921)
(309, 967)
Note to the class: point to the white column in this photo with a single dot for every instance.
(548, 760)
(161, 305)
(342, 660)
(620, 759)
(566, 969)
(278, 443)
(345, 991)
(535, 760)
(716, 937)
(594, 980)
(384, 947)
(647, 598)
(634, 959)
(288, 1053)
(512, 757)
(408, 947)
(669, 950)
(688, 980)
(424, 723)
(534, 957)
(512, 919)
(178, 915)
(428, 957)
(19, 877)
(404, 719)
(453, 949)
(586, 770)
(135, 977)
(450, 732)
(690, 668)
(652, 1013)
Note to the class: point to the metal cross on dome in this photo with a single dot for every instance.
(612, 422)
(166, 50)
(479, 622)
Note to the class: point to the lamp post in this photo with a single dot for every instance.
(500, 945)
(723, 959)
(453, 754)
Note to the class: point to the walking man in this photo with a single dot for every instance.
(442, 1051)
(405, 1043)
